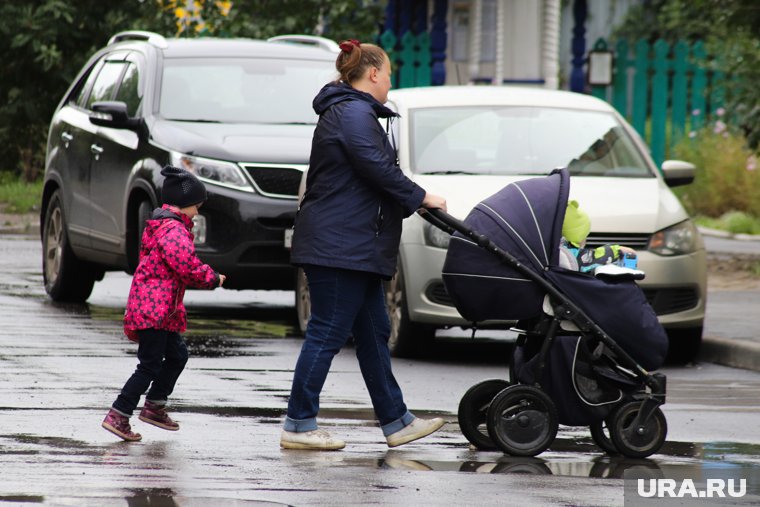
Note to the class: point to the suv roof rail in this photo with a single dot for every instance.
(308, 40)
(151, 37)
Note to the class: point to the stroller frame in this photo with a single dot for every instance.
(630, 426)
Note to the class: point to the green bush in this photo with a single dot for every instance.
(18, 196)
(727, 176)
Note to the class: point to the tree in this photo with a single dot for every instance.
(46, 42)
(730, 29)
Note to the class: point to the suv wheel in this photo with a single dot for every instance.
(408, 339)
(66, 277)
(144, 210)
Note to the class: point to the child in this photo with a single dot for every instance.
(155, 314)
(573, 252)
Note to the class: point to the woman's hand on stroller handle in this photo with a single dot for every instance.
(434, 201)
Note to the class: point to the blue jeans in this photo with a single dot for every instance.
(345, 303)
(162, 355)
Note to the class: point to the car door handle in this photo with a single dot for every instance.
(66, 138)
(96, 150)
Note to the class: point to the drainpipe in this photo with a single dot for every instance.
(476, 9)
(498, 78)
(550, 48)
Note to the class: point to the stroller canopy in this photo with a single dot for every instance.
(525, 219)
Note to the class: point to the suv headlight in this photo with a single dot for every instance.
(679, 239)
(436, 237)
(213, 171)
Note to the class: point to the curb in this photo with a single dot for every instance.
(27, 230)
(716, 233)
(731, 352)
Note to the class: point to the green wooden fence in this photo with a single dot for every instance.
(410, 58)
(663, 85)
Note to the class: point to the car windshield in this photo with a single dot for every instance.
(522, 140)
(242, 90)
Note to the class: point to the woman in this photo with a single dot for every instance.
(346, 239)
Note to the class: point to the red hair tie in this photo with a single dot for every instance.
(348, 45)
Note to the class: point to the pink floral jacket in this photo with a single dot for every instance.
(167, 265)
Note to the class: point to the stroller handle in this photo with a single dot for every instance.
(447, 223)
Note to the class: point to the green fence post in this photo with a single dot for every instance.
(423, 59)
(388, 41)
(659, 100)
(599, 91)
(679, 91)
(641, 88)
(407, 56)
(698, 86)
(620, 78)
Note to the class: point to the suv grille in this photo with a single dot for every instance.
(635, 241)
(275, 180)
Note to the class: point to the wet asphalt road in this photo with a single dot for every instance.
(62, 365)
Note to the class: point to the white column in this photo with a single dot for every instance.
(476, 10)
(501, 11)
(550, 44)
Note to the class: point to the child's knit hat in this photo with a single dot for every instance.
(181, 188)
(577, 224)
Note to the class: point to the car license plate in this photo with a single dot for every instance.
(288, 238)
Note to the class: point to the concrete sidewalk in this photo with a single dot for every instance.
(732, 333)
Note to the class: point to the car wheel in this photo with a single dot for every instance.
(407, 339)
(66, 277)
(144, 210)
(684, 344)
(303, 300)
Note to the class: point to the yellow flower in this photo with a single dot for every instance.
(180, 13)
(224, 7)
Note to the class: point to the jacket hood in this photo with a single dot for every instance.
(157, 218)
(338, 91)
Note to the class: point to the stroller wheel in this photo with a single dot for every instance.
(600, 434)
(637, 441)
(473, 412)
(522, 420)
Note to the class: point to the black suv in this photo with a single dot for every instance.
(235, 112)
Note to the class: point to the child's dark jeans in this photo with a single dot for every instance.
(162, 355)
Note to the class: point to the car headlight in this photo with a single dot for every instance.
(679, 239)
(213, 171)
(436, 237)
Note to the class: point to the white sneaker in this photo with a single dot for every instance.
(418, 428)
(318, 440)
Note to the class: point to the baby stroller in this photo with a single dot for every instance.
(584, 345)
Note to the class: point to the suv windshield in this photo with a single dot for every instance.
(522, 140)
(242, 90)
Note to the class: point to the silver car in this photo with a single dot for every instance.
(466, 143)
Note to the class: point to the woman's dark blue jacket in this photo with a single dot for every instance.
(356, 195)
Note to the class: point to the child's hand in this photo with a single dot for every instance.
(627, 250)
(222, 278)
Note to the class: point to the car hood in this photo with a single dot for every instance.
(621, 205)
(237, 142)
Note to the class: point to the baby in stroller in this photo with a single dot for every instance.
(575, 255)
(585, 344)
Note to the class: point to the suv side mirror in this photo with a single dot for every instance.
(112, 114)
(678, 172)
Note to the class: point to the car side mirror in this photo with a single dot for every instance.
(112, 114)
(678, 172)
